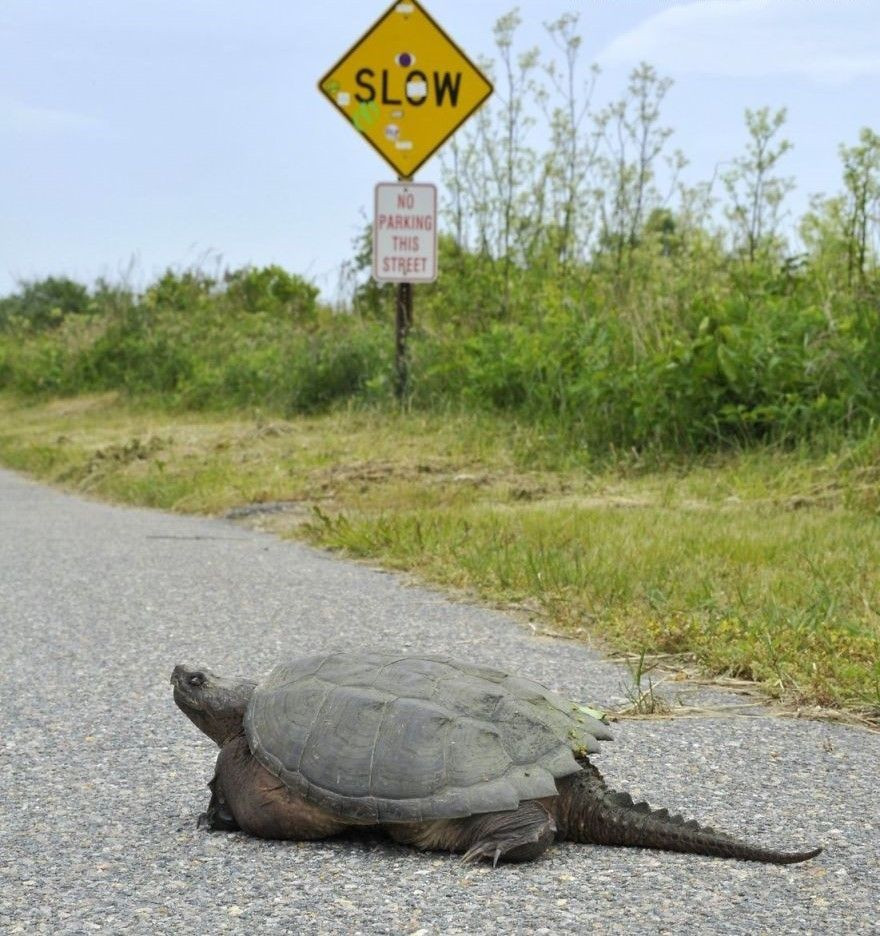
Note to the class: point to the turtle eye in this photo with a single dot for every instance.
(197, 679)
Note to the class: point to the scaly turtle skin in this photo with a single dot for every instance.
(438, 753)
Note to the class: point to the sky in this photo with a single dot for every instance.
(150, 134)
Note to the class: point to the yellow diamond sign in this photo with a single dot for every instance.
(405, 86)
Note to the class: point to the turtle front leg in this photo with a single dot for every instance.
(219, 817)
(248, 797)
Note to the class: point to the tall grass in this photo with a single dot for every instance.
(256, 339)
(780, 597)
(772, 370)
(727, 367)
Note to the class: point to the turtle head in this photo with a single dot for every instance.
(213, 703)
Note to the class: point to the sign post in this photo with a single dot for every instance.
(403, 318)
(406, 87)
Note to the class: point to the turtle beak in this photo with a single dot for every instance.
(184, 677)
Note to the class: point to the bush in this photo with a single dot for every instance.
(734, 360)
(43, 304)
(273, 291)
(256, 338)
(757, 370)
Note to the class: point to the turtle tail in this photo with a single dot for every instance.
(587, 811)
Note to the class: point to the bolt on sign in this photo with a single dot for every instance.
(405, 86)
(405, 233)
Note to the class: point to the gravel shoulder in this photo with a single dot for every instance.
(101, 778)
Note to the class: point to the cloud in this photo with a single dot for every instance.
(828, 41)
(19, 118)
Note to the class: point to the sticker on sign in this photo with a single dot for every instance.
(405, 233)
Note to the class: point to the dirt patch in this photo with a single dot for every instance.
(124, 453)
(280, 518)
(75, 406)
(368, 473)
(247, 511)
(270, 430)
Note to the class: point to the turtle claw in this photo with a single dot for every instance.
(483, 850)
(217, 820)
(218, 817)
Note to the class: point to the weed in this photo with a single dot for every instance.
(643, 700)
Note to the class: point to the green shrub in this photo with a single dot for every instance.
(43, 304)
(274, 291)
(735, 360)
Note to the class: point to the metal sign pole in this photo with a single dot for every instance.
(404, 317)
(403, 323)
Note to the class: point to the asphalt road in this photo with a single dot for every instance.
(101, 778)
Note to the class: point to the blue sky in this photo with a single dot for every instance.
(152, 133)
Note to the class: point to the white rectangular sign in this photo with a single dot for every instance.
(405, 233)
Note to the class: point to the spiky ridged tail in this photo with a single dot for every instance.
(587, 811)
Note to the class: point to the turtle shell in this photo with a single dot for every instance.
(393, 738)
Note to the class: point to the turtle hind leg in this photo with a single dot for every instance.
(519, 835)
(513, 835)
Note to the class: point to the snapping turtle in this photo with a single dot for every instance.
(440, 754)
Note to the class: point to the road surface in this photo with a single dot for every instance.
(101, 778)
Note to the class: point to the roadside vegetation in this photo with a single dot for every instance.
(645, 410)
